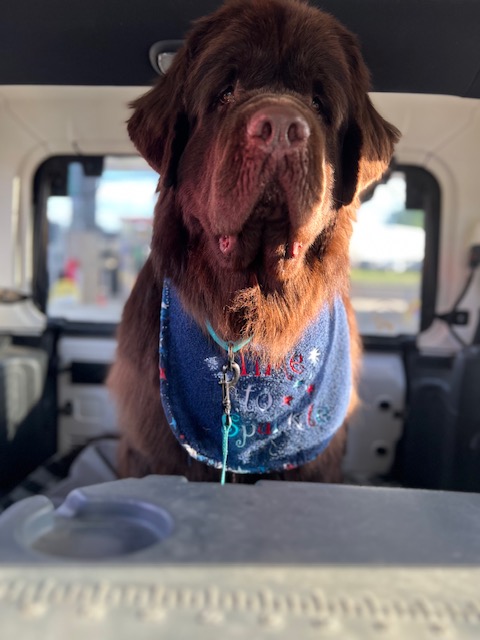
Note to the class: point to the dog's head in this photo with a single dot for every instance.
(264, 136)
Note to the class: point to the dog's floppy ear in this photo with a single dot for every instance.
(378, 140)
(159, 124)
(366, 141)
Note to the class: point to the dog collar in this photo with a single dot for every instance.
(281, 417)
(234, 346)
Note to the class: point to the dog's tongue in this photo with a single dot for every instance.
(295, 248)
(227, 243)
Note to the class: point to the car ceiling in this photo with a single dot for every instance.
(414, 46)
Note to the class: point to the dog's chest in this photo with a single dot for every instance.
(282, 417)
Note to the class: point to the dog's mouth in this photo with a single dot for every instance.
(227, 245)
(267, 247)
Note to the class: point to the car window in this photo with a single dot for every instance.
(387, 251)
(98, 239)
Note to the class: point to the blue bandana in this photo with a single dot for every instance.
(282, 417)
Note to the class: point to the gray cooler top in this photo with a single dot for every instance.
(167, 520)
(161, 557)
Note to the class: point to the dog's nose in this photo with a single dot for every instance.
(278, 127)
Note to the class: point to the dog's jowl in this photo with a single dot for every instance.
(238, 350)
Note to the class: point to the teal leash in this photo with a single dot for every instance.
(225, 436)
(230, 377)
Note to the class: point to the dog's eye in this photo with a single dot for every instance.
(227, 96)
(322, 108)
(317, 104)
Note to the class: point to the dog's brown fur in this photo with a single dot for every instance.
(214, 183)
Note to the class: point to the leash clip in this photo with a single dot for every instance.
(230, 377)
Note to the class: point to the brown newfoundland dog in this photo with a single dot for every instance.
(238, 348)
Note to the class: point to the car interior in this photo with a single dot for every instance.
(76, 206)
